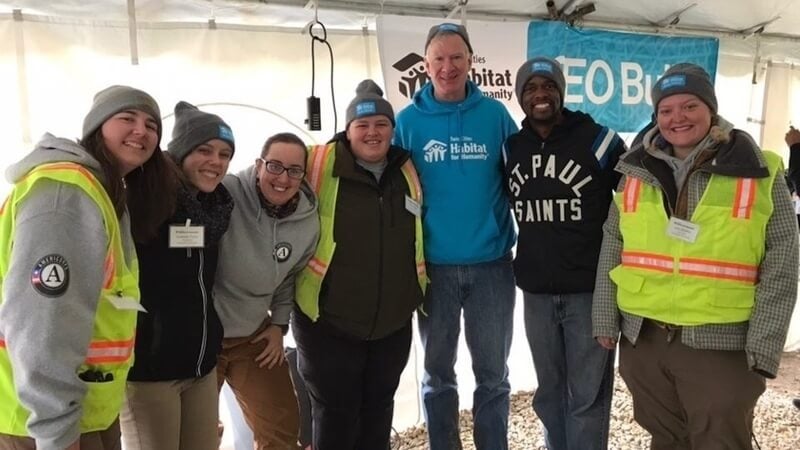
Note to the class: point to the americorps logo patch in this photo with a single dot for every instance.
(50, 276)
(282, 251)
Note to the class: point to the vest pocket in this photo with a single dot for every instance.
(627, 283)
(102, 402)
(729, 295)
(626, 280)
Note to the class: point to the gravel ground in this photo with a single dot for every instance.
(777, 424)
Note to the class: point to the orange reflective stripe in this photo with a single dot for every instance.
(409, 169)
(745, 197)
(108, 271)
(633, 187)
(317, 166)
(60, 166)
(103, 351)
(650, 261)
(70, 166)
(317, 266)
(421, 268)
(109, 351)
(719, 269)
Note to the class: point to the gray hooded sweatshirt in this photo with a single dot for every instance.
(48, 336)
(260, 256)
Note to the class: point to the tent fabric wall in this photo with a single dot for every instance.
(63, 64)
(258, 80)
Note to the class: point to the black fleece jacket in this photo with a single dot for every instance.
(180, 336)
(560, 189)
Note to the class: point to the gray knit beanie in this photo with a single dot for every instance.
(194, 127)
(448, 28)
(369, 101)
(540, 66)
(114, 99)
(685, 78)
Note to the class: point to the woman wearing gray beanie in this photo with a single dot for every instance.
(172, 396)
(355, 299)
(69, 277)
(698, 270)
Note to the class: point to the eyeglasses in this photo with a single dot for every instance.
(276, 168)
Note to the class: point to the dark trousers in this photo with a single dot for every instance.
(351, 383)
(689, 399)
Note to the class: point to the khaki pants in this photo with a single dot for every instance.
(689, 399)
(267, 397)
(171, 415)
(98, 440)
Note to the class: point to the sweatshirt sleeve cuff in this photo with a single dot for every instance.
(58, 442)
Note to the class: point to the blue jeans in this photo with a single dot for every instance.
(575, 373)
(485, 292)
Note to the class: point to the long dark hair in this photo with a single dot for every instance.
(151, 190)
(111, 180)
(152, 195)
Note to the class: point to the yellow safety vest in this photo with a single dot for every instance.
(711, 280)
(326, 186)
(111, 347)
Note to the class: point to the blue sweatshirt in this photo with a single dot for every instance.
(457, 150)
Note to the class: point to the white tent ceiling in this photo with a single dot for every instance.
(778, 17)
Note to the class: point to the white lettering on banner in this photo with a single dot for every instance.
(634, 82)
(606, 96)
(567, 64)
(635, 85)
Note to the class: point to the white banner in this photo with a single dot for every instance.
(500, 48)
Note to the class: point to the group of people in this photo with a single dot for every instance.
(682, 251)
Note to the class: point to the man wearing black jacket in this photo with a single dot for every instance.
(560, 174)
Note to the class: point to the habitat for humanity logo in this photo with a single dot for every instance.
(494, 82)
(434, 151)
(414, 76)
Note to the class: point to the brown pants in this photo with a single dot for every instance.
(267, 397)
(98, 440)
(689, 399)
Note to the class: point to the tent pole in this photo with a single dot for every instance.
(22, 79)
(134, 42)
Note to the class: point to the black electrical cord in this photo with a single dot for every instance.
(753, 436)
(324, 40)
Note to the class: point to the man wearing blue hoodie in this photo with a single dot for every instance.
(455, 135)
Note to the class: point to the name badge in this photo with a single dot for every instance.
(187, 236)
(125, 303)
(683, 230)
(412, 206)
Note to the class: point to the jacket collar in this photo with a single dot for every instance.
(734, 154)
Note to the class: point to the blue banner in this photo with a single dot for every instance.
(610, 74)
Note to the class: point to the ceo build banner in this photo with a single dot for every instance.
(499, 50)
(610, 74)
